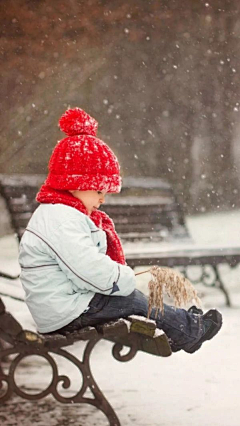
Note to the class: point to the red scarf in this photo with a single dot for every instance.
(101, 219)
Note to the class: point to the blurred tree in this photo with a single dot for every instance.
(160, 77)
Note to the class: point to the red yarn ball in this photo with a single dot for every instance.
(78, 122)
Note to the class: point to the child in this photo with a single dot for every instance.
(73, 267)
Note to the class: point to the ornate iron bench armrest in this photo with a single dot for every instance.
(137, 333)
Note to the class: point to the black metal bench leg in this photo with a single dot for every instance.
(221, 286)
(88, 383)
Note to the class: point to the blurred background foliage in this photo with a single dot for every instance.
(161, 77)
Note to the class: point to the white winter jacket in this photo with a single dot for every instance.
(64, 263)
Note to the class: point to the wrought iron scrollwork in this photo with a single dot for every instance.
(88, 383)
(209, 276)
(116, 352)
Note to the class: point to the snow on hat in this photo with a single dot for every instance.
(81, 160)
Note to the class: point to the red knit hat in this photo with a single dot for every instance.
(82, 161)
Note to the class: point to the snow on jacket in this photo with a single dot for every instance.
(64, 263)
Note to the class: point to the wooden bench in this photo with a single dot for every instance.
(147, 210)
(134, 332)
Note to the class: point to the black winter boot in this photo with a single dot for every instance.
(212, 322)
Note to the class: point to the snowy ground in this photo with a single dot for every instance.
(182, 390)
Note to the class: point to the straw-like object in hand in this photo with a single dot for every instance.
(174, 284)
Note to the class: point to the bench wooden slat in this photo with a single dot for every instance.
(139, 227)
(141, 217)
(146, 183)
(158, 346)
(122, 331)
(22, 180)
(139, 331)
(22, 218)
(123, 202)
(180, 257)
(129, 209)
(155, 213)
(113, 328)
(23, 208)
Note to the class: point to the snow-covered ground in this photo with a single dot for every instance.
(183, 390)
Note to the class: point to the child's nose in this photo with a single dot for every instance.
(102, 199)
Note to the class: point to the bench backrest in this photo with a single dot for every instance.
(146, 208)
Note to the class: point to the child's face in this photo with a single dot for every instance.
(91, 199)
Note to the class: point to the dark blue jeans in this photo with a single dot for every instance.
(181, 327)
